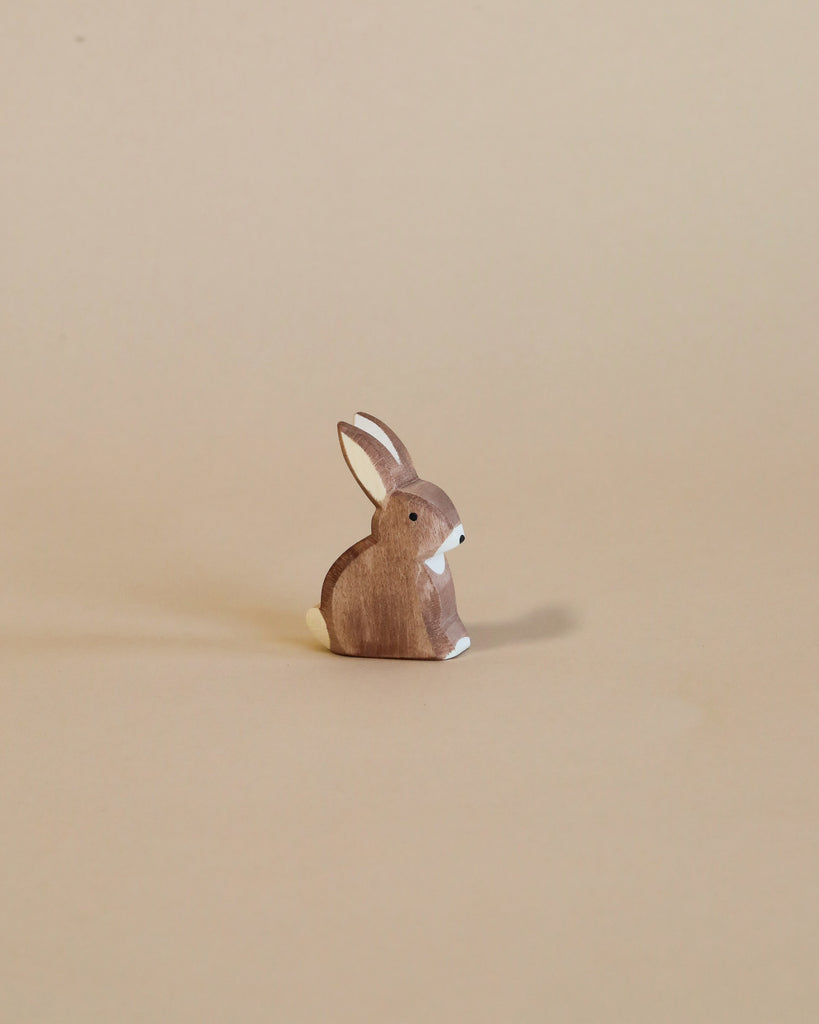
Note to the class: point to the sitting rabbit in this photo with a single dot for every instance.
(391, 594)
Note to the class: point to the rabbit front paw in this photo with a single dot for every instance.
(459, 648)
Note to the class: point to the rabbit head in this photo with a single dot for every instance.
(412, 516)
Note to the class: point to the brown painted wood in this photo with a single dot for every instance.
(383, 598)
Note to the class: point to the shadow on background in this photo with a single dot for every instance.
(271, 628)
(205, 615)
(256, 618)
(545, 623)
(25, 642)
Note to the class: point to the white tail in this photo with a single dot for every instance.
(318, 627)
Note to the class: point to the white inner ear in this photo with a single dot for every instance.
(364, 470)
(372, 428)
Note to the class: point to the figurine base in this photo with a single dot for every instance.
(318, 627)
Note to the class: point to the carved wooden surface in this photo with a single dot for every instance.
(391, 594)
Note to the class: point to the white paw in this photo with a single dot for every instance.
(459, 648)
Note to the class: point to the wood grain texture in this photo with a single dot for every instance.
(383, 598)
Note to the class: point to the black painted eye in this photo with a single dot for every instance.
(413, 516)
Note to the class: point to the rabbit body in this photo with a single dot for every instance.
(391, 595)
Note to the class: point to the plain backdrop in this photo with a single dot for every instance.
(570, 252)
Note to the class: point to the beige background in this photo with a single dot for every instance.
(570, 252)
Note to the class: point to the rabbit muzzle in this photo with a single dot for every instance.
(437, 563)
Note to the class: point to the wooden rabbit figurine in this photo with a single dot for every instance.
(391, 594)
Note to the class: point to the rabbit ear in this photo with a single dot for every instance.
(373, 465)
(388, 437)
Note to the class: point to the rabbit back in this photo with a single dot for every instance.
(375, 607)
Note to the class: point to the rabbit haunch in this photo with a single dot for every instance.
(391, 595)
